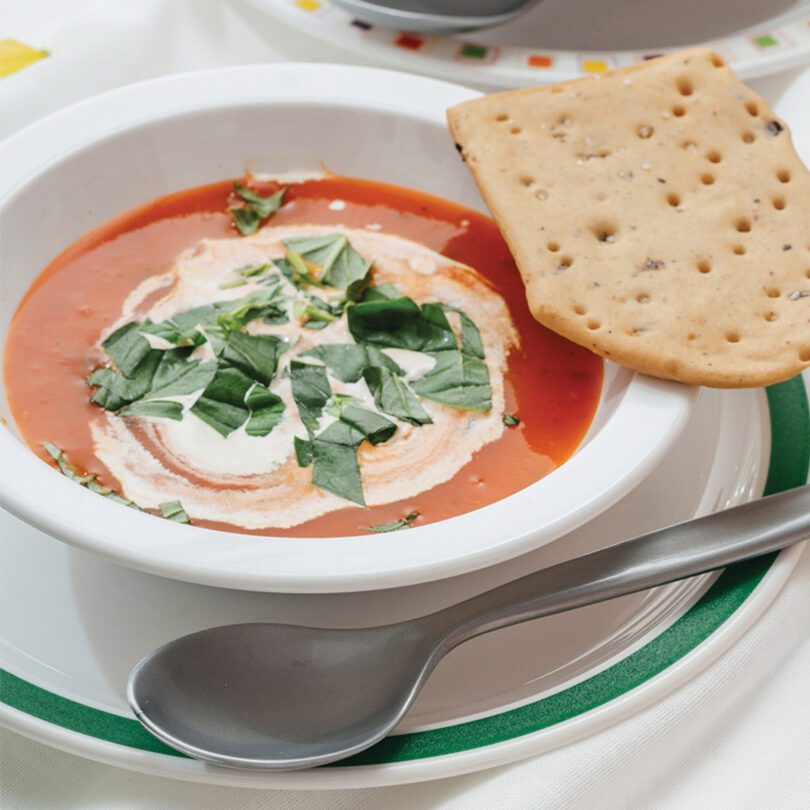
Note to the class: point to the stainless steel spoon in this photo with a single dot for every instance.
(436, 16)
(280, 697)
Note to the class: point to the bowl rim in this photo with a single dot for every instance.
(647, 421)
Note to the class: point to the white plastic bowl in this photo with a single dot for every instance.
(77, 168)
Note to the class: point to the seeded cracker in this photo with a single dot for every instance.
(659, 215)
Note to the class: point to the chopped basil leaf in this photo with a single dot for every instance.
(164, 409)
(458, 379)
(401, 324)
(396, 525)
(334, 463)
(127, 348)
(222, 404)
(303, 451)
(251, 270)
(173, 510)
(341, 265)
(178, 375)
(263, 206)
(255, 355)
(510, 420)
(311, 391)
(247, 221)
(188, 321)
(393, 396)
(321, 250)
(114, 389)
(314, 314)
(349, 271)
(365, 424)
(229, 285)
(169, 332)
(266, 410)
(232, 315)
(347, 361)
(88, 480)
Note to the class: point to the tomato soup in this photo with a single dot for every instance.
(480, 430)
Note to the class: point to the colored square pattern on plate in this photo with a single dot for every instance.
(539, 60)
(410, 42)
(478, 54)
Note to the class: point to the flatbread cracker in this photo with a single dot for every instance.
(659, 216)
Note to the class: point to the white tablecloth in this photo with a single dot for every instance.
(737, 737)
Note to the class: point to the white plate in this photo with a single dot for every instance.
(127, 147)
(73, 624)
(564, 39)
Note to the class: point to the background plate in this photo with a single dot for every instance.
(564, 39)
(73, 625)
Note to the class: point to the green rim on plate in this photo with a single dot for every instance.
(788, 467)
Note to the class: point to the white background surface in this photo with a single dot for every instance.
(736, 737)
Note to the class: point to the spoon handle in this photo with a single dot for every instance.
(662, 556)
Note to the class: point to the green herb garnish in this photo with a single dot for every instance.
(460, 377)
(248, 218)
(173, 510)
(396, 525)
(266, 410)
(233, 389)
(164, 409)
(88, 480)
(510, 420)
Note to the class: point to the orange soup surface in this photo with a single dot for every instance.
(551, 385)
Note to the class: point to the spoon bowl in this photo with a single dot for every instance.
(233, 695)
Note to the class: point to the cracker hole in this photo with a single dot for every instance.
(643, 298)
(739, 250)
(714, 156)
(779, 203)
(707, 178)
(605, 232)
(594, 325)
(807, 273)
(516, 130)
(748, 137)
(579, 309)
(679, 110)
(565, 121)
(743, 225)
(502, 117)
(733, 336)
(689, 146)
(717, 61)
(752, 108)
(674, 199)
(645, 131)
(783, 175)
(691, 336)
(553, 247)
(541, 195)
(566, 262)
(772, 292)
(526, 180)
(685, 87)
(704, 266)
(771, 316)
(804, 354)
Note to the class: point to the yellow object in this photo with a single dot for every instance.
(15, 55)
(594, 66)
(308, 5)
